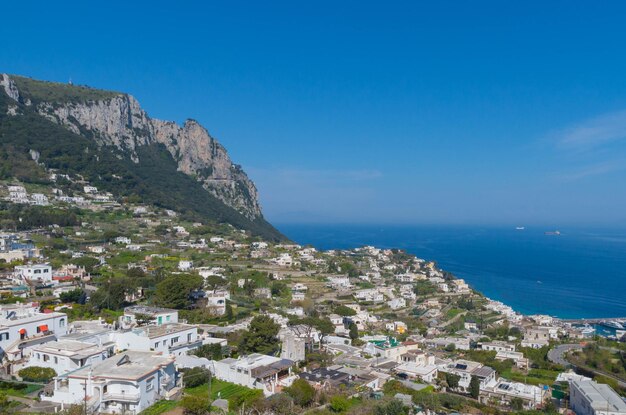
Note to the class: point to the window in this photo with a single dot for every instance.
(167, 318)
(150, 384)
(156, 345)
(56, 360)
(62, 322)
(46, 357)
(4, 336)
(37, 271)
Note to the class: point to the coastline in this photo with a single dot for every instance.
(558, 295)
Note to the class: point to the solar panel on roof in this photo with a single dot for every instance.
(461, 366)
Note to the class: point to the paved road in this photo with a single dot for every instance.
(557, 355)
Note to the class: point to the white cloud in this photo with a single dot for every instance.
(594, 132)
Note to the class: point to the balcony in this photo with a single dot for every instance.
(121, 397)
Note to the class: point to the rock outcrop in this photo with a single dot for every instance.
(117, 120)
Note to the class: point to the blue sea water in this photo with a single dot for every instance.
(579, 274)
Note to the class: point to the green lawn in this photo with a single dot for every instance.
(224, 389)
(160, 407)
(12, 391)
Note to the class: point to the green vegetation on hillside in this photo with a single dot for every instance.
(42, 91)
(155, 180)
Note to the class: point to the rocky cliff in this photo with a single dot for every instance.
(117, 120)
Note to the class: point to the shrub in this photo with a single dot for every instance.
(37, 374)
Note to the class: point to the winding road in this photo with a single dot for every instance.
(557, 355)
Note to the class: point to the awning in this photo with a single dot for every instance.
(22, 331)
(43, 327)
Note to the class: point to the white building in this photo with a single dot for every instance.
(154, 315)
(268, 373)
(125, 383)
(339, 282)
(90, 189)
(397, 303)
(122, 240)
(22, 325)
(170, 339)
(41, 273)
(185, 265)
(216, 301)
(536, 337)
(68, 355)
(590, 398)
(369, 295)
(504, 391)
(497, 346)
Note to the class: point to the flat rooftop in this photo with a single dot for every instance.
(600, 396)
(162, 330)
(151, 311)
(71, 348)
(129, 365)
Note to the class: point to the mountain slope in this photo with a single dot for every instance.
(106, 137)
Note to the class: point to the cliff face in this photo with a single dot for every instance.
(117, 120)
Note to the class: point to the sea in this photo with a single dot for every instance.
(580, 273)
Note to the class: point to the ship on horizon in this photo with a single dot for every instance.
(552, 233)
(520, 228)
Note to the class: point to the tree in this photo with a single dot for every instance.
(450, 347)
(339, 403)
(196, 377)
(111, 294)
(393, 407)
(517, 404)
(210, 351)
(195, 405)
(73, 296)
(214, 281)
(174, 291)
(301, 391)
(280, 404)
(474, 387)
(260, 336)
(452, 380)
(344, 311)
(278, 287)
(354, 331)
(228, 313)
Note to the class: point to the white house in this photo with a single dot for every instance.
(268, 373)
(22, 325)
(37, 273)
(536, 337)
(125, 383)
(122, 240)
(216, 301)
(155, 315)
(498, 346)
(185, 265)
(590, 398)
(90, 189)
(170, 339)
(397, 303)
(68, 355)
(339, 282)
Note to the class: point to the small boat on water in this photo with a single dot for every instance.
(520, 228)
(552, 233)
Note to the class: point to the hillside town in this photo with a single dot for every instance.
(125, 308)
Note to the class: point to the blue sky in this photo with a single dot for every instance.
(402, 112)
